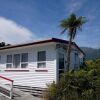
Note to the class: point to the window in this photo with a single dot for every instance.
(24, 60)
(9, 58)
(24, 57)
(61, 64)
(76, 56)
(76, 65)
(9, 61)
(41, 64)
(41, 59)
(42, 56)
(61, 61)
(16, 60)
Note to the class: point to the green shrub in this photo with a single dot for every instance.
(83, 84)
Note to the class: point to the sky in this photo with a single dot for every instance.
(27, 20)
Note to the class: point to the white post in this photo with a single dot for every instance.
(11, 92)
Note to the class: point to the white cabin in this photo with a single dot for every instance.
(38, 63)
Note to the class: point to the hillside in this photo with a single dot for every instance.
(91, 53)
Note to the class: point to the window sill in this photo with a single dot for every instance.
(16, 70)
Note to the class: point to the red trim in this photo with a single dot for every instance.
(28, 44)
(41, 70)
(41, 42)
(16, 70)
(6, 78)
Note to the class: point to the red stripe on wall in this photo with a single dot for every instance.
(41, 70)
(16, 70)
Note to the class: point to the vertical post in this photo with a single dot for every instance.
(11, 92)
(11, 85)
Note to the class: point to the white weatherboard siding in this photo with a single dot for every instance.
(32, 78)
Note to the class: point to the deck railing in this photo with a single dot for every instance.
(6, 87)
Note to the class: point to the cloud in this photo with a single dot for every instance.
(75, 5)
(11, 32)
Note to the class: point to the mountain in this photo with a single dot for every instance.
(91, 53)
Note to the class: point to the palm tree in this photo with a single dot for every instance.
(72, 24)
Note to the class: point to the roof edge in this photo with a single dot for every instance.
(40, 42)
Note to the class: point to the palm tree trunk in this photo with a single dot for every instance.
(68, 53)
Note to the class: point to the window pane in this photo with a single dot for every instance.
(24, 65)
(61, 61)
(8, 65)
(76, 56)
(42, 56)
(24, 57)
(42, 65)
(9, 58)
(16, 60)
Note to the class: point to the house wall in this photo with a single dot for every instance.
(74, 61)
(60, 51)
(32, 77)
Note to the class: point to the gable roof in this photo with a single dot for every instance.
(41, 42)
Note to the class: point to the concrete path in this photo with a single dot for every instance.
(20, 95)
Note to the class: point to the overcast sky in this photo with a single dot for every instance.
(28, 20)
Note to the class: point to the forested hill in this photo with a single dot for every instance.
(91, 53)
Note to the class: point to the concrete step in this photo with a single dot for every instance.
(20, 95)
(36, 91)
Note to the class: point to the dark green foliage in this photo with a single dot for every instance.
(3, 44)
(83, 84)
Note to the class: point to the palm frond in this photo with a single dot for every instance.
(72, 24)
(63, 31)
(64, 23)
(81, 20)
